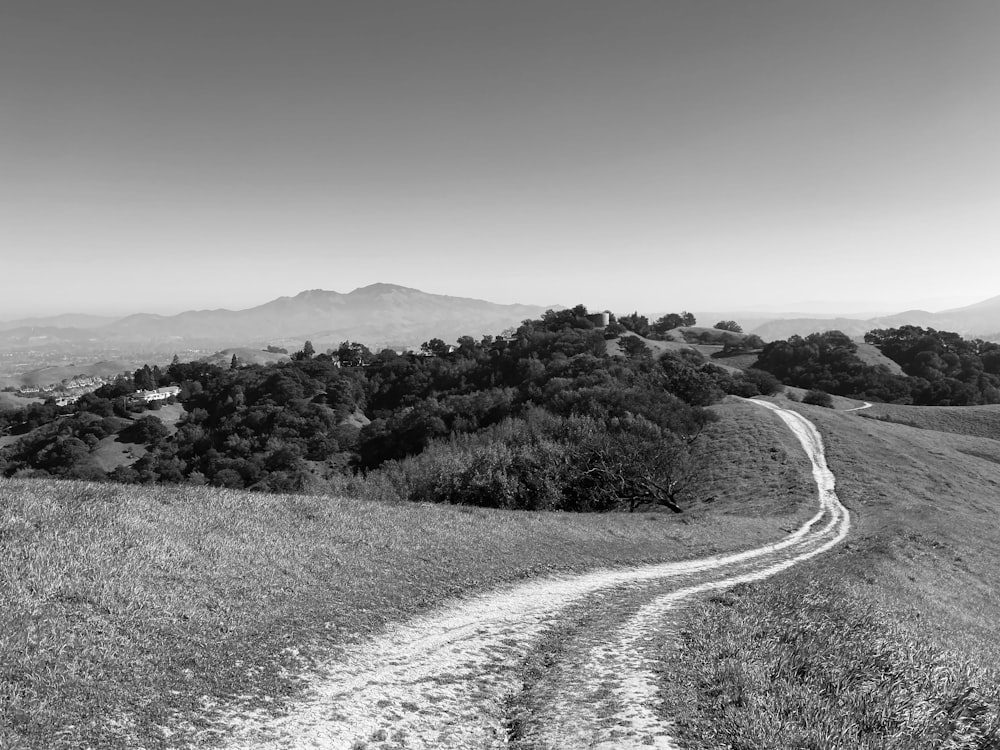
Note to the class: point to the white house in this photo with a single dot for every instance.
(160, 394)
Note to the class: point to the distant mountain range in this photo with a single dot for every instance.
(377, 315)
(383, 315)
(980, 320)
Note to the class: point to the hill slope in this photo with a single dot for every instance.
(133, 608)
(272, 584)
(891, 640)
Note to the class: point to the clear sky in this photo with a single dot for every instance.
(660, 155)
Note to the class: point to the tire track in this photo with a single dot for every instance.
(441, 680)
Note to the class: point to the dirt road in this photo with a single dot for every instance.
(450, 679)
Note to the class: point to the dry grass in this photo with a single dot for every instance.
(128, 615)
(109, 453)
(11, 401)
(890, 641)
(752, 466)
(657, 346)
(977, 421)
(872, 355)
(169, 414)
(735, 361)
(807, 662)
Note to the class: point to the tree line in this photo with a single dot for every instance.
(940, 368)
(541, 417)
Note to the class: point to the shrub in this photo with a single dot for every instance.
(144, 430)
(818, 398)
(766, 383)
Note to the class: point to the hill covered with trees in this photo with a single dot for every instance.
(940, 368)
(540, 418)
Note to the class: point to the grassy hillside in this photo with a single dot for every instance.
(978, 421)
(245, 355)
(9, 401)
(130, 613)
(54, 374)
(871, 355)
(658, 347)
(889, 641)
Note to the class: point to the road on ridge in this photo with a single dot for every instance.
(446, 679)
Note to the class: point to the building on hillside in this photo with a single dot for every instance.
(601, 319)
(160, 394)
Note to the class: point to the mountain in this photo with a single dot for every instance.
(377, 315)
(979, 320)
(58, 321)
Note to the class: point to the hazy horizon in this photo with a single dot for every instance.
(819, 308)
(652, 156)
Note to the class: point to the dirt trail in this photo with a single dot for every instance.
(864, 405)
(443, 680)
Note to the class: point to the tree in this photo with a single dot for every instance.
(143, 379)
(435, 347)
(667, 322)
(728, 325)
(638, 324)
(306, 352)
(234, 363)
(673, 320)
(145, 430)
(634, 347)
(353, 354)
(636, 465)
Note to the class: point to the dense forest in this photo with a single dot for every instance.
(940, 368)
(540, 418)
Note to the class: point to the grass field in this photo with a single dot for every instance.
(10, 401)
(128, 615)
(132, 616)
(891, 641)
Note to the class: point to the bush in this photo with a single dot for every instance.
(546, 463)
(818, 398)
(728, 325)
(519, 472)
(766, 383)
(145, 430)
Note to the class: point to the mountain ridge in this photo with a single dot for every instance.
(381, 313)
(397, 316)
(979, 320)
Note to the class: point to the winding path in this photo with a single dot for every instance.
(444, 680)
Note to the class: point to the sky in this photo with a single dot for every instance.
(627, 154)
